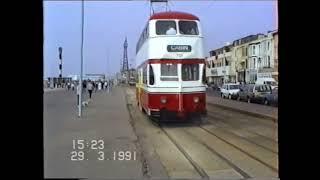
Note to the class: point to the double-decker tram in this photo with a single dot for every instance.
(171, 67)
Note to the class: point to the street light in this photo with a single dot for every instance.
(81, 67)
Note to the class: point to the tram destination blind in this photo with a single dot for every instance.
(179, 48)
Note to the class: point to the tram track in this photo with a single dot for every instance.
(220, 168)
(240, 149)
(244, 174)
(255, 166)
(190, 127)
(241, 161)
(245, 123)
(212, 121)
(196, 166)
(231, 129)
(254, 118)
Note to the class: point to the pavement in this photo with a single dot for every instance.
(52, 89)
(105, 119)
(258, 110)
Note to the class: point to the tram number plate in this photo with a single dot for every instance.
(179, 48)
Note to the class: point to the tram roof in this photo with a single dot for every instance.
(174, 15)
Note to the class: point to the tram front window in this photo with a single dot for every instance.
(190, 72)
(166, 28)
(169, 72)
(188, 28)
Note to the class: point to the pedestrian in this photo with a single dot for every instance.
(84, 85)
(106, 85)
(102, 85)
(72, 86)
(90, 88)
(96, 86)
(78, 94)
(68, 86)
(99, 86)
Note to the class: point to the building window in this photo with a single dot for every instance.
(254, 62)
(247, 66)
(253, 49)
(227, 63)
(269, 64)
(268, 46)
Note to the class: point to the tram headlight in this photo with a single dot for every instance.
(195, 99)
(163, 100)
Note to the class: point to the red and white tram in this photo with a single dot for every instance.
(171, 66)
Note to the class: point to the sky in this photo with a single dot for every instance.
(107, 23)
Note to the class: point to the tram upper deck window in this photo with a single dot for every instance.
(190, 72)
(188, 28)
(166, 28)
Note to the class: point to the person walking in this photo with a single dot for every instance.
(72, 86)
(96, 86)
(99, 86)
(78, 94)
(68, 86)
(90, 88)
(106, 85)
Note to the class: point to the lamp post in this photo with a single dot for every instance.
(224, 71)
(81, 66)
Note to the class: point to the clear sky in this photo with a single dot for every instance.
(107, 23)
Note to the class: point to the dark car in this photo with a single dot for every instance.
(254, 92)
(272, 98)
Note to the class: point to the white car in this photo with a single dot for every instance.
(269, 81)
(230, 90)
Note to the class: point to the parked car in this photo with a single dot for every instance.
(268, 81)
(272, 98)
(213, 86)
(229, 90)
(254, 92)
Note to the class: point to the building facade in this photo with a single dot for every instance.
(246, 60)
(261, 56)
(245, 68)
(221, 66)
(275, 73)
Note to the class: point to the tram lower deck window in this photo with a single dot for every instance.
(169, 72)
(190, 72)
